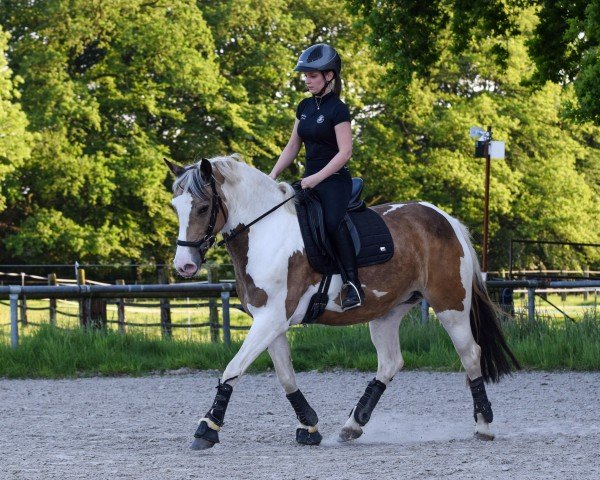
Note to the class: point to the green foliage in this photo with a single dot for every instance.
(110, 88)
(413, 36)
(96, 93)
(547, 187)
(15, 141)
(565, 47)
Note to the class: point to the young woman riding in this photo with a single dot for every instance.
(323, 125)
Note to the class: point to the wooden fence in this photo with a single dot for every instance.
(93, 300)
(93, 312)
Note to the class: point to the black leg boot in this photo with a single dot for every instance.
(347, 256)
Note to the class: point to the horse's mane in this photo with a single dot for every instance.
(235, 171)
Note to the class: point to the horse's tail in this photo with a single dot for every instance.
(497, 359)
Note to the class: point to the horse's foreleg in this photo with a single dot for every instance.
(458, 326)
(384, 334)
(263, 332)
(307, 432)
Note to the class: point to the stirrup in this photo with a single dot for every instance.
(360, 298)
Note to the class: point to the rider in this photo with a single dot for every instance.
(323, 125)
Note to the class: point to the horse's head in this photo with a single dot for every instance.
(198, 201)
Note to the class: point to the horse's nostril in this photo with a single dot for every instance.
(190, 268)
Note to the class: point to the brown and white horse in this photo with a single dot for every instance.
(433, 258)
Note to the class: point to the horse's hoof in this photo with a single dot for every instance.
(348, 434)
(303, 437)
(488, 437)
(201, 444)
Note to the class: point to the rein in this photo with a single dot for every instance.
(237, 231)
(209, 238)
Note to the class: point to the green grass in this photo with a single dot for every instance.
(52, 352)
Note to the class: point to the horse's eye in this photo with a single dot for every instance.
(203, 209)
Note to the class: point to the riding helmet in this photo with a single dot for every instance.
(319, 58)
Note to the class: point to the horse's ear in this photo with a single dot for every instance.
(177, 170)
(205, 169)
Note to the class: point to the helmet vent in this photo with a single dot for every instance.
(315, 54)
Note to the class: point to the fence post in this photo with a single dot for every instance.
(98, 312)
(23, 302)
(52, 282)
(165, 306)
(226, 329)
(14, 320)
(121, 311)
(586, 274)
(83, 302)
(531, 304)
(213, 311)
(424, 312)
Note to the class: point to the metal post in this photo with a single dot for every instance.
(424, 312)
(486, 205)
(121, 310)
(531, 304)
(23, 302)
(226, 330)
(213, 311)
(14, 320)
(52, 283)
(83, 304)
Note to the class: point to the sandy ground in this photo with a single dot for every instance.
(547, 426)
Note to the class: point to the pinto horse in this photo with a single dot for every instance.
(433, 259)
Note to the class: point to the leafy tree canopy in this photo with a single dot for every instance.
(109, 87)
(94, 94)
(15, 141)
(411, 35)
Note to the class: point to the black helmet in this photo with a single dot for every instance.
(319, 58)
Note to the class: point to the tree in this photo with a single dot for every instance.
(109, 88)
(411, 35)
(566, 48)
(14, 139)
(544, 190)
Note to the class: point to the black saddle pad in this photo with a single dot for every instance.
(377, 245)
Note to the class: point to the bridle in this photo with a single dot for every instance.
(209, 237)
(217, 204)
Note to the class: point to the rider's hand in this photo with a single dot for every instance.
(310, 182)
(272, 176)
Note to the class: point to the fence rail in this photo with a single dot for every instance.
(90, 311)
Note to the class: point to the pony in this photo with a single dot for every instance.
(433, 260)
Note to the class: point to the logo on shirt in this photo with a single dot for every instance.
(320, 119)
(303, 117)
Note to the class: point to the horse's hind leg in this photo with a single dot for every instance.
(307, 432)
(385, 337)
(458, 326)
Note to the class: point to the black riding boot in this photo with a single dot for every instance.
(347, 256)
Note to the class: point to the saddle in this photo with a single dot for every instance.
(372, 240)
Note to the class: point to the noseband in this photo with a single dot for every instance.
(209, 238)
